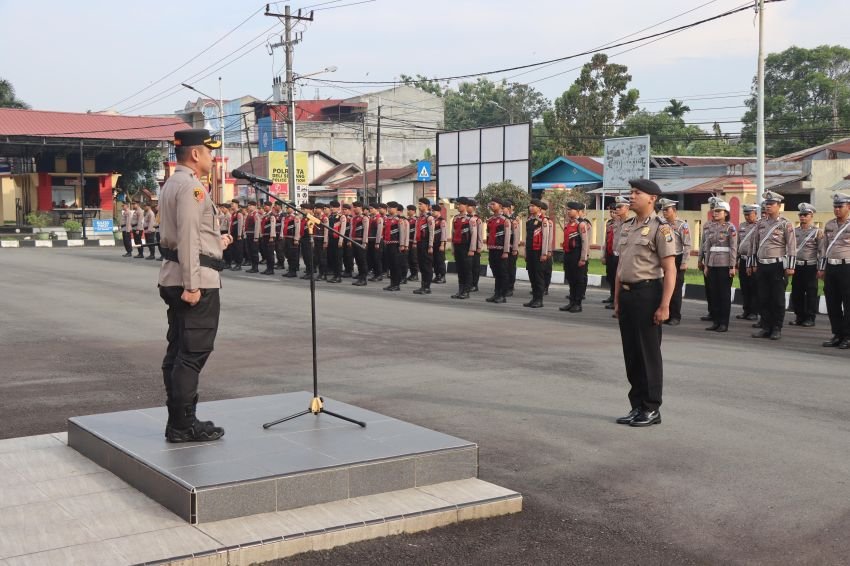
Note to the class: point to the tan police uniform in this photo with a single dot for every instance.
(834, 263)
(804, 282)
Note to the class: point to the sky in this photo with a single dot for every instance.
(131, 57)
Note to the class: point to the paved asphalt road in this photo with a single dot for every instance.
(750, 466)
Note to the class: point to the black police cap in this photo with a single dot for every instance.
(573, 205)
(411, 207)
(195, 136)
(423, 200)
(537, 202)
(646, 186)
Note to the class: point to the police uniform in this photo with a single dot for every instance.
(193, 247)
(514, 248)
(498, 252)
(237, 229)
(719, 253)
(642, 245)
(462, 236)
(348, 249)
(138, 223)
(252, 237)
(393, 239)
(576, 247)
(834, 267)
(412, 255)
(611, 251)
(773, 250)
(424, 237)
(537, 247)
(308, 247)
(550, 261)
(477, 247)
(441, 234)
(682, 236)
(804, 282)
(749, 290)
(150, 238)
(333, 243)
(127, 230)
(374, 252)
(707, 231)
(290, 233)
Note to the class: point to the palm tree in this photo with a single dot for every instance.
(677, 108)
(7, 96)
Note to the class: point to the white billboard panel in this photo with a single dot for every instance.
(469, 160)
(625, 158)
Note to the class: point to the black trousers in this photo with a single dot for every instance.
(511, 267)
(280, 252)
(412, 260)
(575, 276)
(307, 255)
(547, 273)
(708, 294)
(475, 265)
(348, 258)
(611, 263)
(439, 259)
(676, 299)
(137, 239)
(158, 245)
(837, 292)
(236, 251)
(127, 238)
(771, 289)
(149, 239)
(375, 259)
(320, 257)
(499, 267)
(394, 261)
(426, 268)
(191, 337)
(804, 292)
(268, 252)
(749, 289)
(292, 251)
(720, 286)
(254, 252)
(642, 344)
(535, 270)
(361, 258)
(334, 259)
(463, 265)
(227, 256)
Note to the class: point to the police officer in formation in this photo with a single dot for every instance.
(498, 249)
(747, 281)
(804, 282)
(537, 251)
(610, 252)
(464, 237)
(576, 255)
(834, 269)
(719, 254)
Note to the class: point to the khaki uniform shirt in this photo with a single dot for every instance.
(708, 230)
(642, 246)
(773, 238)
(835, 244)
(150, 221)
(682, 234)
(137, 219)
(808, 244)
(126, 220)
(188, 225)
(720, 247)
(746, 232)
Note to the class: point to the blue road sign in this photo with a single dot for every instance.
(423, 171)
(101, 226)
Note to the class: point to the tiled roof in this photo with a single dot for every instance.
(391, 174)
(840, 146)
(42, 123)
(320, 180)
(589, 163)
(317, 110)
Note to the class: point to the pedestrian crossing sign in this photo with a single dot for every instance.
(423, 171)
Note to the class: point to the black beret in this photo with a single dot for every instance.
(411, 207)
(346, 206)
(646, 186)
(507, 202)
(536, 202)
(498, 201)
(357, 203)
(460, 200)
(334, 203)
(382, 205)
(308, 205)
(393, 204)
(573, 205)
(423, 200)
(197, 136)
(471, 202)
(252, 202)
(544, 206)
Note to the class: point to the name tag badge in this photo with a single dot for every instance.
(644, 231)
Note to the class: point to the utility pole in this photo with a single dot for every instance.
(289, 50)
(83, 188)
(365, 183)
(378, 157)
(760, 150)
(221, 170)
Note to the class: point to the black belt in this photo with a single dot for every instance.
(204, 260)
(638, 284)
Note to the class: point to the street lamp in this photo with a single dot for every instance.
(509, 112)
(221, 127)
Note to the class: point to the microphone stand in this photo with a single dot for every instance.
(317, 404)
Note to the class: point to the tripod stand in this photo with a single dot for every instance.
(317, 404)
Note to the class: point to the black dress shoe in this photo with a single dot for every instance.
(359, 283)
(413, 278)
(392, 288)
(713, 327)
(335, 280)
(500, 300)
(761, 334)
(646, 418)
(752, 316)
(534, 304)
(290, 274)
(610, 306)
(705, 318)
(150, 257)
(832, 342)
(757, 325)
(236, 268)
(807, 323)
(305, 276)
(566, 307)
(742, 316)
(491, 299)
(473, 289)
(509, 293)
(128, 254)
(630, 417)
(574, 308)
(606, 301)
(795, 323)
(252, 270)
(722, 328)
(673, 322)
(422, 291)
(268, 272)
(844, 344)
(775, 335)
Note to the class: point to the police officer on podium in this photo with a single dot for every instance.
(189, 282)
(646, 275)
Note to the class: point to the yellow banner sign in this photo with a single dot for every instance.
(279, 169)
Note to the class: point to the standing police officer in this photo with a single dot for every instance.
(576, 253)
(537, 247)
(610, 256)
(749, 293)
(498, 249)
(464, 232)
(189, 283)
(804, 283)
(682, 235)
(719, 253)
(646, 275)
(834, 269)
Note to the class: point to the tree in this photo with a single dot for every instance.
(8, 98)
(677, 108)
(503, 190)
(424, 84)
(587, 112)
(138, 171)
(667, 135)
(807, 98)
(558, 199)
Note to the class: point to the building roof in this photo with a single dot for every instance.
(839, 146)
(590, 165)
(387, 176)
(696, 161)
(43, 123)
(259, 165)
(710, 185)
(334, 171)
(314, 110)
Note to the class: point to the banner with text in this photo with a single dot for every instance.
(279, 173)
(625, 158)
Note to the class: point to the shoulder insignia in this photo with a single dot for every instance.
(732, 228)
(665, 229)
(199, 194)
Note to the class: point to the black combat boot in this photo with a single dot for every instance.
(187, 428)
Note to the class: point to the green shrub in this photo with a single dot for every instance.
(72, 226)
(38, 219)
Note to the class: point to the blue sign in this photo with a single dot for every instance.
(267, 140)
(101, 226)
(423, 171)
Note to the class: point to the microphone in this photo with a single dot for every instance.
(237, 174)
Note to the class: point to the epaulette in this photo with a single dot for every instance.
(661, 220)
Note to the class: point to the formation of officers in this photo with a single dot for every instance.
(408, 244)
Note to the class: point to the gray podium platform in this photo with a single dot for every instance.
(306, 461)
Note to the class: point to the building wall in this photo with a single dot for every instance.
(823, 174)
